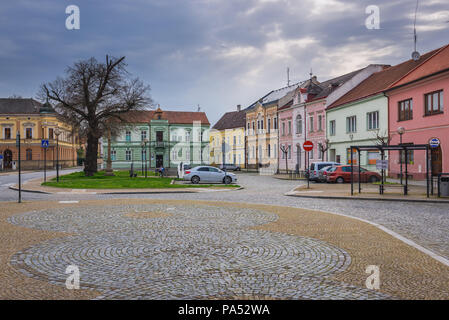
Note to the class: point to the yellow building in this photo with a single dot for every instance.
(227, 139)
(35, 122)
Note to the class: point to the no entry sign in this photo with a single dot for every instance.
(308, 146)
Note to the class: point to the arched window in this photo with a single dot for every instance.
(298, 124)
(29, 154)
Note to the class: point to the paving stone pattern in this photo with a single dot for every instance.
(183, 252)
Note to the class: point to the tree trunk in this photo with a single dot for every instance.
(109, 171)
(90, 166)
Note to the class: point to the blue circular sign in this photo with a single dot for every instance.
(434, 142)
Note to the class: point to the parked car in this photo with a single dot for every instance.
(230, 167)
(341, 174)
(322, 174)
(209, 174)
(312, 172)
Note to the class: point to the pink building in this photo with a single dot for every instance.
(416, 105)
(285, 138)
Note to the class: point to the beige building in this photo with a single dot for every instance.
(35, 122)
(262, 124)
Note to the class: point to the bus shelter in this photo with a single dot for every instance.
(387, 148)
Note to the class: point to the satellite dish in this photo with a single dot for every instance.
(416, 56)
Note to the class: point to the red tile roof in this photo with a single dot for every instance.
(173, 117)
(380, 81)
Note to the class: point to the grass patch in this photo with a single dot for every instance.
(120, 180)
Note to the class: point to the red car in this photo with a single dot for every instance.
(342, 174)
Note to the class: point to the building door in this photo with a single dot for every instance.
(159, 160)
(7, 159)
(437, 160)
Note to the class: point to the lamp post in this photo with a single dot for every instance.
(57, 133)
(144, 148)
(401, 131)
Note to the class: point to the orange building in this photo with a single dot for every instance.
(34, 121)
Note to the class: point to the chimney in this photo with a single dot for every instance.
(239, 107)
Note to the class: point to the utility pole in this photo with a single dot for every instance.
(20, 168)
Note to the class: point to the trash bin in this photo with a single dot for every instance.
(444, 186)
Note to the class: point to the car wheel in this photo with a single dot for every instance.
(373, 179)
(227, 180)
(195, 179)
(340, 180)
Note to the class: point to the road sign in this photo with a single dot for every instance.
(1, 157)
(308, 146)
(381, 164)
(45, 143)
(434, 142)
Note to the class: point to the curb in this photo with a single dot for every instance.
(366, 199)
(30, 191)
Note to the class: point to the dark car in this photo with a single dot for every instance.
(230, 167)
(341, 174)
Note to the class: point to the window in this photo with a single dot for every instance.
(289, 128)
(51, 133)
(128, 136)
(351, 124)
(434, 102)
(235, 140)
(143, 135)
(128, 155)
(7, 133)
(248, 125)
(29, 133)
(283, 128)
(320, 123)
(275, 123)
(311, 154)
(269, 124)
(311, 124)
(405, 110)
(298, 124)
(283, 153)
(144, 155)
(253, 126)
(113, 155)
(332, 127)
(188, 136)
(261, 124)
(373, 156)
(29, 154)
(373, 120)
(269, 150)
(354, 155)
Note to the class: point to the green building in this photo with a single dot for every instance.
(160, 138)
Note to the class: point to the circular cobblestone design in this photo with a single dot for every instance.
(190, 252)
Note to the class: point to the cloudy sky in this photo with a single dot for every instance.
(212, 53)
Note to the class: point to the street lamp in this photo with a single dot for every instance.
(57, 132)
(144, 147)
(401, 131)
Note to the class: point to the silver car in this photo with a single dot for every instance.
(209, 174)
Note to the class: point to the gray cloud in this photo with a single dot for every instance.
(211, 52)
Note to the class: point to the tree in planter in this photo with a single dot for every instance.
(91, 95)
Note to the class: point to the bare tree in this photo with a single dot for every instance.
(91, 95)
(382, 139)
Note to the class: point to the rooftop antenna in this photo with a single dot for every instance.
(415, 55)
(288, 77)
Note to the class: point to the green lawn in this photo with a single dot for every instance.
(120, 180)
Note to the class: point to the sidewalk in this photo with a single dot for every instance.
(416, 193)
